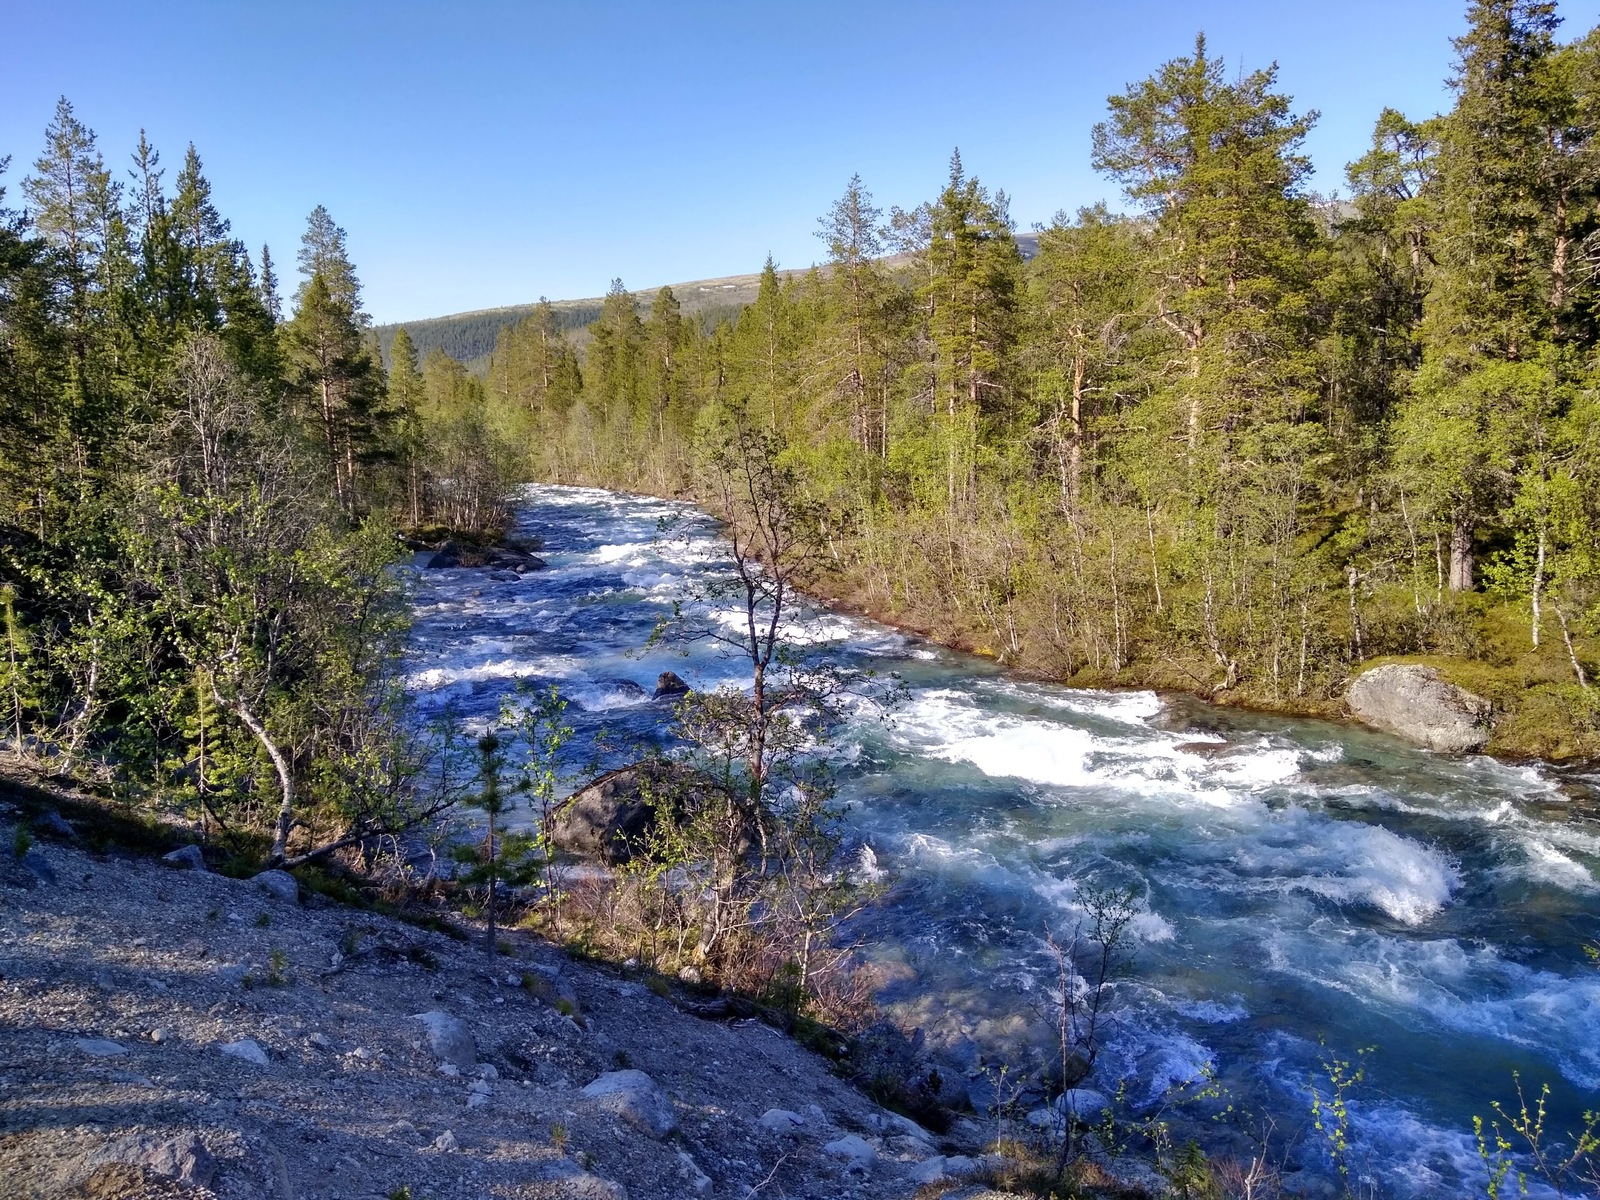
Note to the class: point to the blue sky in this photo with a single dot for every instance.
(487, 153)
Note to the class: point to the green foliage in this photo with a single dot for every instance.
(1517, 1142)
(1241, 442)
(1330, 1114)
(186, 618)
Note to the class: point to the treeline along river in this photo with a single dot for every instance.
(1307, 889)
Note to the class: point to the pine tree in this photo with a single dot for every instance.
(855, 357)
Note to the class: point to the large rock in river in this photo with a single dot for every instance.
(610, 818)
(1413, 702)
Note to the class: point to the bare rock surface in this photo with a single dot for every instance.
(608, 818)
(278, 884)
(354, 1101)
(185, 858)
(1414, 702)
(637, 1099)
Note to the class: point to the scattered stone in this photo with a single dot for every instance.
(185, 1159)
(486, 1071)
(99, 1047)
(782, 1122)
(246, 1048)
(580, 1184)
(234, 973)
(320, 1041)
(54, 825)
(928, 1171)
(697, 1180)
(856, 1153)
(1414, 702)
(637, 1099)
(185, 858)
(1085, 1104)
(669, 684)
(159, 1035)
(278, 884)
(446, 1142)
(449, 1039)
(39, 867)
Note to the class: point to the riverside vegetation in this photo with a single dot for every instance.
(1243, 442)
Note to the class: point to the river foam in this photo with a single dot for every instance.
(1301, 888)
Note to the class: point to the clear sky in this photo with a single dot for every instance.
(483, 153)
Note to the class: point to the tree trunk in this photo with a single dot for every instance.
(1538, 587)
(1572, 653)
(1460, 555)
(280, 832)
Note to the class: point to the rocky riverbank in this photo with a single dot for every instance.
(167, 1031)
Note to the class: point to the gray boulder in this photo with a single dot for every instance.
(247, 1049)
(53, 824)
(856, 1152)
(782, 1122)
(278, 884)
(185, 1159)
(1413, 702)
(452, 553)
(449, 1039)
(609, 818)
(185, 858)
(637, 1099)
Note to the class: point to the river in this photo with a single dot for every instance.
(1307, 888)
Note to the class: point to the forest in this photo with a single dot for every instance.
(1226, 436)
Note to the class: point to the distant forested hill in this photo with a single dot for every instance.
(469, 337)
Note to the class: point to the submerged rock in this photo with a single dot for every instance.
(1414, 702)
(669, 685)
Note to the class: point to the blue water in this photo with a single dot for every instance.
(1306, 888)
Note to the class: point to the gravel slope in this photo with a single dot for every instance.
(121, 981)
